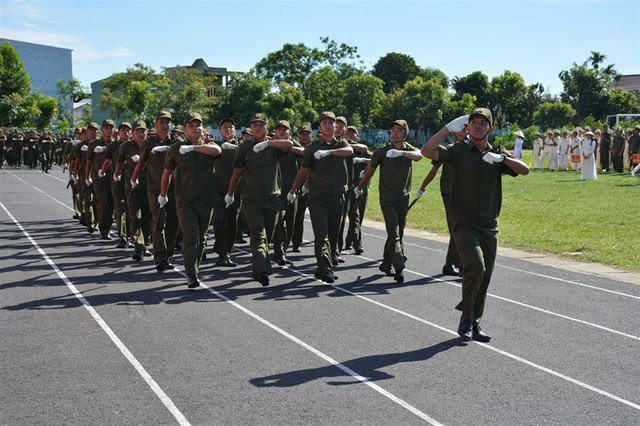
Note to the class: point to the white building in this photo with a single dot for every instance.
(46, 65)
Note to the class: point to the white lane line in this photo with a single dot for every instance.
(322, 355)
(182, 420)
(524, 271)
(484, 345)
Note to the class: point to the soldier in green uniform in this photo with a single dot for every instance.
(225, 220)
(46, 150)
(304, 135)
(78, 171)
(3, 144)
(190, 164)
(288, 171)
(256, 161)
(68, 156)
(361, 157)
(634, 145)
(101, 185)
(164, 226)
(323, 166)
(617, 151)
(32, 149)
(136, 192)
(395, 160)
(120, 211)
(474, 205)
(16, 142)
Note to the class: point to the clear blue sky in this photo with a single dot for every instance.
(536, 39)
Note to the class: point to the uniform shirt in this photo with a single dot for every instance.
(46, 145)
(125, 154)
(224, 167)
(358, 168)
(617, 146)
(192, 174)
(288, 169)
(395, 173)
(476, 186)
(96, 158)
(634, 144)
(80, 154)
(605, 142)
(154, 162)
(260, 171)
(327, 176)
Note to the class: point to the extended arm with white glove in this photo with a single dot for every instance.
(159, 148)
(394, 153)
(456, 125)
(321, 153)
(185, 149)
(260, 146)
(492, 157)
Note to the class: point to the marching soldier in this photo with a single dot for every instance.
(361, 157)
(101, 185)
(304, 135)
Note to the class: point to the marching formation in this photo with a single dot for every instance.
(162, 188)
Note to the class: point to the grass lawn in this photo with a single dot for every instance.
(551, 212)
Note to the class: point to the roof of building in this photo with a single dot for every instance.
(627, 82)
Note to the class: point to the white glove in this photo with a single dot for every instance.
(260, 146)
(100, 173)
(163, 200)
(186, 149)
(74, 178)
(135, 158)
(361, 175)
(394, 153)
(99, 149)
(458, 124)
(82, 148)
(420, 193)
(304, 189)
(228, 200)
(291, 197)
(357, 160)
(134, 183)
(160, 148)
(321, 153)
(491, 157)
(116, 178)
(228, 145)
(88, 181)
(357, 192)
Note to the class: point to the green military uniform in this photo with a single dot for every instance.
(452, 258)
(84, 198)
(101, 186)
(163, 234)
(69, 155)
(395, 189)
(46, 149)
(120, 211)
(356, 213)
(634, 147)
(617, 153)
(303, 203)
(32, 150)
(474, 206)
(286, 218)
(3, 143)
(137, 204)
(16, 149)
(225, 218)
(193, 183)
(260, 199)
(327, 186)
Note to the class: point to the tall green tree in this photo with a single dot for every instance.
(508, 98)
(288, 103)
(476, 84)
(15, 87)
(363, 96)
(395, 69)
(553, 115)
(47, 110)
(325, 89)
(425, 104)
(243, 97)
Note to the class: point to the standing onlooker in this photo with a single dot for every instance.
(634, 145)
(537, 151)
(395, 160)
(576, 141)
(563, 152)
(589, 157)
(605, 148)
(475, 201)
(517, 150)
(617, 151)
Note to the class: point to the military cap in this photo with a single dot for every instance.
(227, 120)
(341, 119)
(139, 124)
(108, 122)
(305, 128)
(94, 125)
(247, 131)
(403, 124)
(124, 124)
(354, 128)
(163, 114)
(259, 116)
(483, 112)
(191, 117)
(283, 123)
(327, 114)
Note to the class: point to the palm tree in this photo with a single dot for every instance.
(596, 59)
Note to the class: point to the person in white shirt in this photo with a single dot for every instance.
(517, 150)
(563, 152)
(574, 149)
(537, 150)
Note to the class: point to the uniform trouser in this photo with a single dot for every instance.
(284, 228)
(453, 258)
(163, 235)
(225, 224)
(81, 190)
(194, 220)
(104, 200)
(477, 247)
(298, 225)
(75, 199)
(325, 212)
(395, 220)
(563, 161)
(343, 220)
(32, 160)
(120, 210)
(241, 225)
(1, 155)
(139, 218)
(356, 214)
(17, 157)
(90, 204)
(261, 216)
(618, 163)
(44, 161)
(604, 160)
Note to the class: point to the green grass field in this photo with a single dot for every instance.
(551, 212)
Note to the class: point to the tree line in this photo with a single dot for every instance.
(297, 82)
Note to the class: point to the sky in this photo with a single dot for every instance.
(537, 39)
